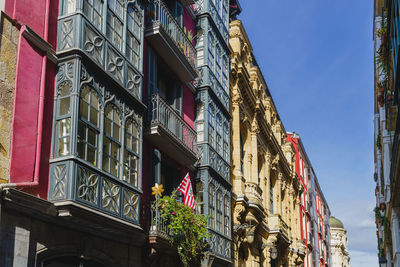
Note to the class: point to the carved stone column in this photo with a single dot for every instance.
(238, 186)
(267, 180)
(254, 152)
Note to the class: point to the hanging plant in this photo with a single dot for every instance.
(378, 216)
(188, 230)
(378, 142)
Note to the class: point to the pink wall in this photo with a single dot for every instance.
(188, 106)
(26, 126)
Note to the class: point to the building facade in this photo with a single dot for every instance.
(386, 130)
(339, 252)
(103, 99)
(266, 222)
(313, 208)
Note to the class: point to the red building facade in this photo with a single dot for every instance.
(314, 210)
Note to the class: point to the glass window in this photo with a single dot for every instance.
(69, 6)
(63, 123)
(226, 142)
(211, 206)
(131, 152)
(211, 125)
(112, 140)
(93, 9)
(241, 154)
(219, 134)
(271, 197)
(218, 63)
(88, 126)
(211, 51)
(227, 214)
(199, 198)
(114, 22)
(219, 211)
(134, 29)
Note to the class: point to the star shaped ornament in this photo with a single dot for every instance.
(157, 189)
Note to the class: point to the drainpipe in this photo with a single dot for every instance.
(29, 34)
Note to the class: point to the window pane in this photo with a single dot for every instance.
(63, 146)
(92, 136)
(116, 131)
(94, 116)
(114, 150)
(91, 157)
(64, 127)
(84, 109)
(64, 106)
(114, 167)
(107, 126)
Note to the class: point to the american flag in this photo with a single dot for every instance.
(186, 189)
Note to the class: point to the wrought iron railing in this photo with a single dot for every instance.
(158, 13)
(158, 225)
(162, 113)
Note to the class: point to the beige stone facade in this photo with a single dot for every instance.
(8, 57)
(265, 187)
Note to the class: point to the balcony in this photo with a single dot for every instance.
(168, 130)
(77, 188)
(159, 232)
(169, 40)
(254, 193)
(277, 225)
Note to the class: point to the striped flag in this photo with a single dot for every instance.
(186, 189)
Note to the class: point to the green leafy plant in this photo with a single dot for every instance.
(378, 142)
(188, 230)
(378, 217)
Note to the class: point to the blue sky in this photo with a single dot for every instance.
(317, 58)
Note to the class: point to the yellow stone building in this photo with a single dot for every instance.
(266, 191)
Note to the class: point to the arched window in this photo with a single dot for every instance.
(88, 125)
(131, 152)
(211, 205)
(112, 140)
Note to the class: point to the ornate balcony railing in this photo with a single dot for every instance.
(73, 181)
(159, 14)
(158, 226)
(163, 114)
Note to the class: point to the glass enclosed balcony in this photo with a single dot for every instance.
(169, 131)
(168, 38)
